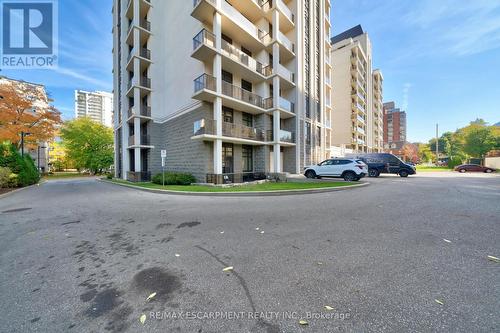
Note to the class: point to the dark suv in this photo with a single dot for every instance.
(386, 163)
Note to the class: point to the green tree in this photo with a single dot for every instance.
(480, 139)
(88, 144)
(424, 153)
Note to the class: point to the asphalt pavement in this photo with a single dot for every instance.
(400, 255)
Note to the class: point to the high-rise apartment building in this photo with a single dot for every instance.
(394, 127)
(97, 106)
(231, 89)
(357, 93)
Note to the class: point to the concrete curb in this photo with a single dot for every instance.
(21, 189)
(240, 194)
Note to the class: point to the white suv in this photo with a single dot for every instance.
(347, 168)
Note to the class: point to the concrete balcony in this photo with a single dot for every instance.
(144, 6)
(206, 129)
(287, 47)
(144, 27)
(232, 96)
(287, 18)
(143, 83)
(285, 138)
(234, 23)
(144, 56)
(204, 46)
(286, 76)
(284, 106)
(143, 112)
(236, 60)
(144, 141)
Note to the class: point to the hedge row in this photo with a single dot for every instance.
(24, 168)
(174, 178)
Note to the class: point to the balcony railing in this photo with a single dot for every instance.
(145, 24)
(241, 94)
(284, 72)
(204, 37)
(236, 54)
(283, 136)
(204, 81)
(145, 82)
(145, 141)
(265, 37)
(286, 105)
(208, 126)
(144, 111)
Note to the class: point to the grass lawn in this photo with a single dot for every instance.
(432, 168)
(58, 175)
(244, 188)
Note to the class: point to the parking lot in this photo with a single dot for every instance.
(403, 254)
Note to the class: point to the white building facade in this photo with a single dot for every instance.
(232, 89)
(357, 122)
(97, 106)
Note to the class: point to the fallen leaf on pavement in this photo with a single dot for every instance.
(447, 240)
(222, 232)
(227, 269)
(142, 319)
(319, 263)
(329, 308)
(177, 255)
(257, 228)
(262, 232)
(303, 322)
(439, 302)
(150, 297)
(495, 259)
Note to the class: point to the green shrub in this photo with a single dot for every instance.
(4, 177)
(109, 176)
(24, 168)
(174, 178)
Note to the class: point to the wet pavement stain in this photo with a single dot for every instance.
(104, 302)
(34, 320)
(156, 279)
(163, 225)
(188, 224)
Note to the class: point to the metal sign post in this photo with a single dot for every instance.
(163, 157)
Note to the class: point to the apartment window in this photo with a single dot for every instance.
(227, 114)
(227, 77)
(271, 90)
(246, 85)
(227, 158)
(247, 158)
(246, 51)
(308, 133)
(247, 119)
(318, 136)
(227, 39)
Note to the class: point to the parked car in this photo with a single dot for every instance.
(347, 168)
(474, 168)
(386, 163)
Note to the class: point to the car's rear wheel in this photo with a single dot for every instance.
(373, 173)
(403, 173)
(349, 176)
(310, 174)
(462, 170)
(488, 171)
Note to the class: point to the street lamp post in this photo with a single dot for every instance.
(23, 135)
(39, 157)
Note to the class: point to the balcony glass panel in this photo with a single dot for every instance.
(285, 10)
(286, 105)
(241, 94)
(285, 41)
(284, 72)
(204, 37)
(236, 54)
(204, 81)
(286, 136)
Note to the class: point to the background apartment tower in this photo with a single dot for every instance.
(230, 88)
(394, 127)
(357, 93)
(97, 106)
